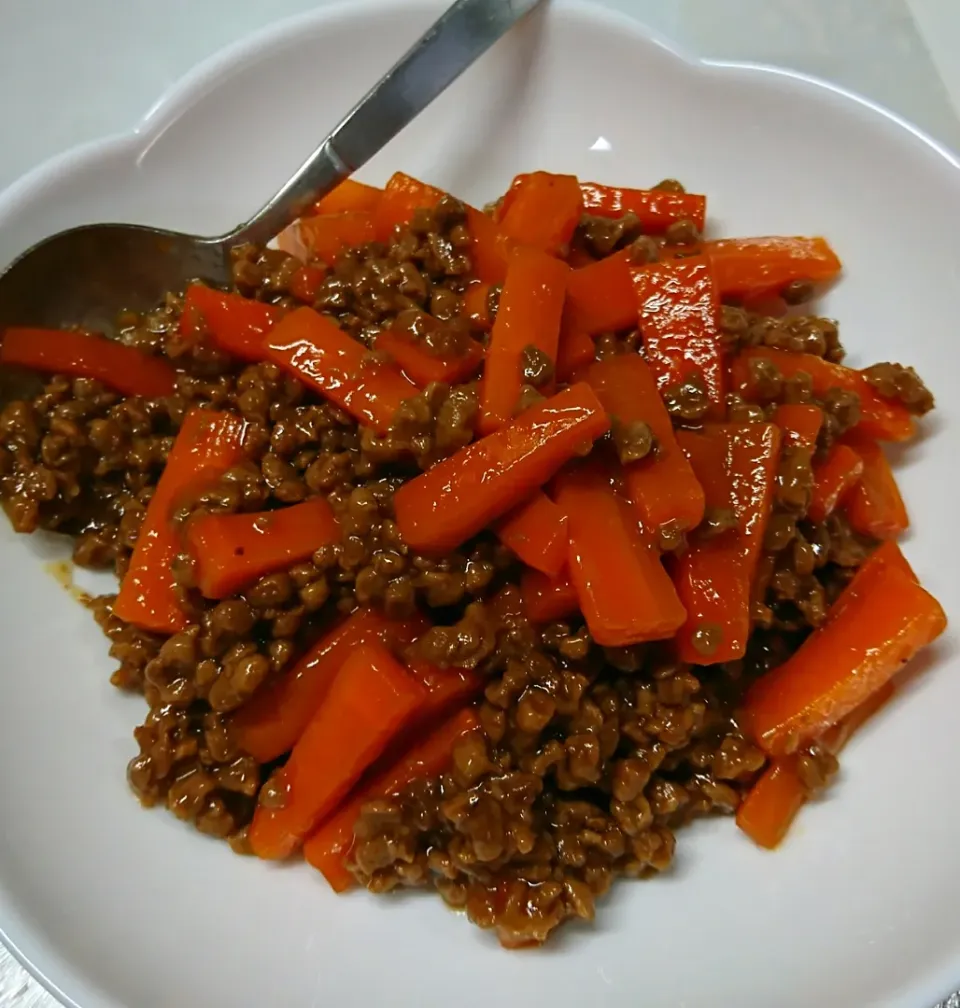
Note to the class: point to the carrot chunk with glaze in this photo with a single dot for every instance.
(329, 846)
(84, 355)
(370, 700)
(752, 265)
(349, 195)
(625, 594)
(656, 209)
(407, 344)
(575, 350)
(737, 465)
(880, 621)
(402, 196)
(662, 486)
(527, 322)
(230, 551)
(600, 297)
(272, 721)
(680, 323)
(546, 598)
(236, 324)
(313, 348)
(476, 304)
(874, 505)
(537, 532)
(325, 236)
(800, 424)
(879, 418)
(833, 478)
(207, 445)
(542, 210)
(462, 494)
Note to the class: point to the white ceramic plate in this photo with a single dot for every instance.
(114, 907)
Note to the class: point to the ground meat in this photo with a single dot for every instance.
(633, 440)
(903, 384)
(603, 235)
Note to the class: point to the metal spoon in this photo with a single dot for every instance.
(88, 274)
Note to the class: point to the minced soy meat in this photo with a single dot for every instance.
(587, 759)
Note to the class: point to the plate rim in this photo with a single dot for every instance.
(212, 71)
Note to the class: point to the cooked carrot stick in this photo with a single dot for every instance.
(885, 618)
(887, 554)
(750, 265)
(349, 195)
(531, 306)
(800, 424)
(325, 236)
(662, 487)
(271, 722)
(207, 445)
(313, 348)
(305, 283)
(230, 551)
(407, 345)
(874, 505)
(537, 532)
(879, 418)
(84, 355)
(371, 698)
(736, 464)
(772, 804)
(476, 304)
(462, 494)
(600, 297)
(579, 257)
(680, 324)
(546, 599)
(402, 196)
(656, 208)
(833, 479)
(575, 349)
(625, 594)
(488, 248)
(329, 846)
(236, 324)
(542, 210)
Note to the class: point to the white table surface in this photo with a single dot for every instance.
(76, 70)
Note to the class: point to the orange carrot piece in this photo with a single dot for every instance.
(476, 304)
(773, 802)
(751, 265)
(885, 618)
(662, 487)
(313, 348)
(600, 297)
(402, 196)
(233, 323)
(84, 355)
(833, 479)
(546, 599)
(542, 211)
(207, 445)
(305, 283)
(800, 424)
(488, 248)
(271, 722)
(656, 208)
(736, 464)
(575, 349)
(531, 307)
(371, 698)
(462, 494)
(879, 418)
(537, 532)
(349, 195)
(680, 325)
(422, 366)
(625, 594)
(329, 846)
(874, 506)
(231, 551)
(327, 235)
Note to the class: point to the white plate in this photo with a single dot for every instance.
(113, 907)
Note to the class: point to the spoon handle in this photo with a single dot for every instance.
(448, 47)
